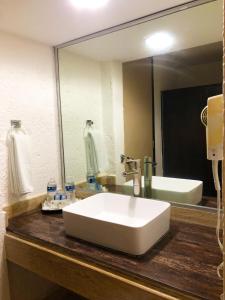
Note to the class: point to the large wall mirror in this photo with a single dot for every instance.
(139, 90)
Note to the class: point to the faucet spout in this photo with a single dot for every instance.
(148, 170)
(134, 166)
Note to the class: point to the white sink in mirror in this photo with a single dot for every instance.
(175, 189)
(125, 223)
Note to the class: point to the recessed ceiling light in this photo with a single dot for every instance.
(160, 41)
(89, 4)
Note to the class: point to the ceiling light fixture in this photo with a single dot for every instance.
(89, 4)
(160, 41)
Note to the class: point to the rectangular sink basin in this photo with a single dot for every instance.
(175, 189)
(125, 223)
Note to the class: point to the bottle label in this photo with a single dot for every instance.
(51, 189)
(57, 197)
(70, 188)
(91, 179)
(63, 197)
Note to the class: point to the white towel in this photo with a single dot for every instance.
(91, 155)
(19, 162)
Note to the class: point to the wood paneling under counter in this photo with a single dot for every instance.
(182, 263)
(81, 277)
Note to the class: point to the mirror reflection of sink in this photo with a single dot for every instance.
(124, 223)
(174, 189)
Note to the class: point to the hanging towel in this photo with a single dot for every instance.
(19, 162)
(91, 154)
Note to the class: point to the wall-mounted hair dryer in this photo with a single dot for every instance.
(214, 127)
(212, 117)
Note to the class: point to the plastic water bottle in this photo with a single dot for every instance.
(70, 188)
(51, 189)
(91, 182)
(60, 195)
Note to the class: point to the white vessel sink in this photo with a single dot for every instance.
(124, 223)
(175, 189)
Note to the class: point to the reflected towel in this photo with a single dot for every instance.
(91, 155)
(19, 162)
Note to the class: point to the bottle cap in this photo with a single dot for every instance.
(147, 159)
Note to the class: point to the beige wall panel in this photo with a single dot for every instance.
(137, 82)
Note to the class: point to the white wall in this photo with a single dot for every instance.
(113, 118)
(90, 90)
(118, 118)
(169, 75)
(27, 92)
(80, 87)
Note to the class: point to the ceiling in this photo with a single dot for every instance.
(191, 28)
(56, 21)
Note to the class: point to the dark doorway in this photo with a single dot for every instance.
(184, 136)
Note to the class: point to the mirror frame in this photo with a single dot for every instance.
(103, 32)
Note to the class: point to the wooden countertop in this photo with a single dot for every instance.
(185, 259)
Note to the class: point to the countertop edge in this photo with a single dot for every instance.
(132, 286)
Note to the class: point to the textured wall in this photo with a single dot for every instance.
(118, 117)
(80, 87)
(27, 92)
(113, 118)
(90, 90)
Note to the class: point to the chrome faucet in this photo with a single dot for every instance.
(148, 165)
(134, 167)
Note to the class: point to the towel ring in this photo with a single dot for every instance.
(16, 123)
(89, 123)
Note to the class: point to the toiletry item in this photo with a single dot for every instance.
(91, 182)
(51, 190)
(98, 187)
(63, 196)
(147, 176)
(57, 196)
(56, 201)
(60, 195)
(70, 188)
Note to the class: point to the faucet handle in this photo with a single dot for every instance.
(122, 158)
(125, 159)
